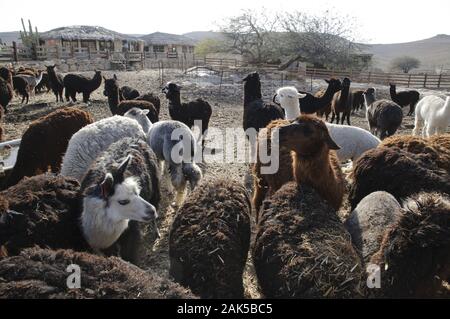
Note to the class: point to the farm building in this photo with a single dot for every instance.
(170, 45)
(91, 38)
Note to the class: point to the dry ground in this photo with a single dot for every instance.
(226, 101)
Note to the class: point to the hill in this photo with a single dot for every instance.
(433, 52)
(9, 37)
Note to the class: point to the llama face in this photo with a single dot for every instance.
(334, 84)
(306, 135)
(110, 87)
(346, 82)
(126, 203)
(170, 89)
(288, 96)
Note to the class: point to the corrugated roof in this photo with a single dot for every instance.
(84, 32)
(160, 38)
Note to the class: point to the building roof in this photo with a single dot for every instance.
(160, 38)
(85, 32)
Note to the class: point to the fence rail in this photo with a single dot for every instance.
(425, 80)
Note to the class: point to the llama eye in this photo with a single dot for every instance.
(124, 202)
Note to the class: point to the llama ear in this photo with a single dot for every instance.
(275, 99)
(301, 96)
(331, 143)
(145, 112)
(328, 81)
(107, 186)
(123, 167)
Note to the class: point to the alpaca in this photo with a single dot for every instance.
(45, 141)
(210, 238)
(432, 116)
(118, 107)
(404, 98)
(358, 100)
(342, 103)
(383, 116)
(165, 136)
(56, 82)
(92, 140)
(44, 84)
(21, 86)
(75, 83)
(189, 112)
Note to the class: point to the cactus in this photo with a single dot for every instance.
(31, 38)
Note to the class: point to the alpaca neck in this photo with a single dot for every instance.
(114, 100)
(393, 91)
(292, 111)
(100, 231)
(174, 104)
(344, 95)
(39, 78)
(252, 93)
(328, 95)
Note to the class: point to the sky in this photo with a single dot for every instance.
(379, 21)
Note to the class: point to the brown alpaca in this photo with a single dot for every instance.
(314, 161)
(311, 163)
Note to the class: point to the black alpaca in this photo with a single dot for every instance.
(21, 86)
(56, 82)
(405, 98)
(257, 114)
(311, 104)
(187, 112)
(75, 83)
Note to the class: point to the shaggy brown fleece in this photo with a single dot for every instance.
(42, 273)
(210, 238)
(302, 250)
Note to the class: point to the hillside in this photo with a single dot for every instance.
(199, 36)
(9, 37)
(433, 52)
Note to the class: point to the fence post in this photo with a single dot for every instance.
(439, 80)
(425, 80)
(409, 80)
(15, 51)
(370, 75)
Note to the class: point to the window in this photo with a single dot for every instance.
(158, 48)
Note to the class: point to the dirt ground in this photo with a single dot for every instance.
(227, 102)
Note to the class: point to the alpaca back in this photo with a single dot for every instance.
(428, 107)
(89, 142)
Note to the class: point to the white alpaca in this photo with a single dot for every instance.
(353, 141)
(433, 115)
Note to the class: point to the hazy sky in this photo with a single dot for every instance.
(380, 21)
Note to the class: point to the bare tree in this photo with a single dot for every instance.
(405, 63)
(251, 34)
(325, 39)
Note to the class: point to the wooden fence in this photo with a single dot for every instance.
(422, 80)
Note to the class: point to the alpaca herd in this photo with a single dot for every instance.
(91, 193)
